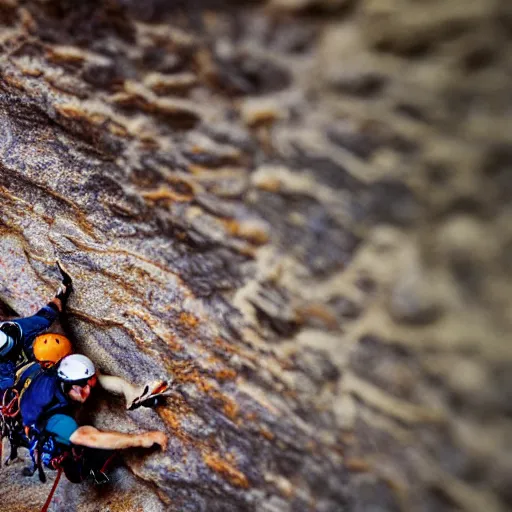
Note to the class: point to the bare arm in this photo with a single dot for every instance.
(94, 438)
(118, 386)
(131, 393)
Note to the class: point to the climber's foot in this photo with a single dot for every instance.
(28, 471)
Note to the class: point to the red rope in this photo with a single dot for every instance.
(11, 409)
(54, 487)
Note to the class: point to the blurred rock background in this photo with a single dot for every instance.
(297, 209)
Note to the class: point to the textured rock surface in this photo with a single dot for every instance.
(299, 210)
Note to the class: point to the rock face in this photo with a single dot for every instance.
(300, 211)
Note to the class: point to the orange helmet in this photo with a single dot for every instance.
(51, 347)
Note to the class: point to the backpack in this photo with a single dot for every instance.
(43, 398)
(25, 374)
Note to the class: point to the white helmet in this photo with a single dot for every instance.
(3, 339)
(76, 367)
(6, 343)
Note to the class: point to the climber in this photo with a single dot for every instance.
(47, 350)
(50, 348)
(17, 336)
(57, 440)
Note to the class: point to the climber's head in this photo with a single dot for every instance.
(50, 348)
(78, 375)
(6, 343)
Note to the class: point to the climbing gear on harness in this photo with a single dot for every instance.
(12, 408)
(11, 426)
(71, 463)
(78, 464)
(51, 347)
(150, 397)
(76, 367)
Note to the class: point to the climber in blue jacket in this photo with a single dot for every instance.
(17, 336)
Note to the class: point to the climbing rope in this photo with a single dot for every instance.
(11, 409)
(52, 492)
(8, 413)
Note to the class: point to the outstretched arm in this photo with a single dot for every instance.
(118, 386)
(94, 438)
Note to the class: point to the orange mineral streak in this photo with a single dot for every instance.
(225, 374)
(263, 117)
(31, 72)
(239, 350)
(171, 418)
(226, 346)
(357, 465)
(185, 372)
(230, 408)
(230, 473)
(188, 319)
(14, 82)
(165, 195)
(79, 217)
(198, 169)
(67, 87)
(95, 119)
(177, 84)
(65, 55)
(73, 112)
(117, 129)
(267, 434)
(269, 185)
(158, 329)
(318, 312)
(254, 234)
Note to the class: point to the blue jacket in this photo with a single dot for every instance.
(43, 398)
